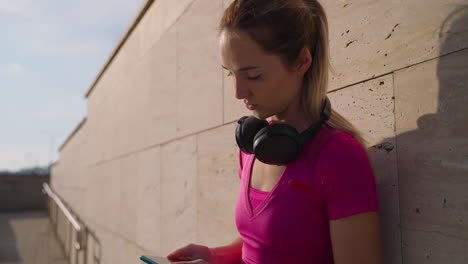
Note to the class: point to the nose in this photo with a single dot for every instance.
(242, 90)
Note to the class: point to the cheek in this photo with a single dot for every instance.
(281, 87)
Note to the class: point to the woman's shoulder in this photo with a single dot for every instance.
(336, 140)
(339, 143)
(338, 134)
(329, 133)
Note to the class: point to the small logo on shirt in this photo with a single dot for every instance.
(300, 186)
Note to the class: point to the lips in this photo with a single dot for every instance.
(251, 106)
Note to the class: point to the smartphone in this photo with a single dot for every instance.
(154, 259)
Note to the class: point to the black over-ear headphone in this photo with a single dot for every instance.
(277, 144)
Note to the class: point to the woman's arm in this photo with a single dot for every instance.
(230, 254)
(356, 239)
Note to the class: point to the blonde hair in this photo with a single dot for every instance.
(283, 28)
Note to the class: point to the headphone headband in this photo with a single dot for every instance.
(313, 130)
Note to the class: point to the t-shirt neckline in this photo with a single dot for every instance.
(255, 212)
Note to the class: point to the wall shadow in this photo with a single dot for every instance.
(432, 160)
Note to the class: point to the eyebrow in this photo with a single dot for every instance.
(244, 68)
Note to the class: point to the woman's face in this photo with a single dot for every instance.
(259, 78)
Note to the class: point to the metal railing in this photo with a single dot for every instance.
(80, 237)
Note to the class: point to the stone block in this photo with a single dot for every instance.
(149, 196)
(178, 194)
(122, 67)
(432, 246)
(218, 185)
(372, 38)
(104, 125)
(148, 115)
(151, 27)
(173, 10)
(100, 94)
(90, 207)
(156, 120)
(128, 173)
(161, 15)
(104, 195)
(369, 106)
(199, 79)
(431, 124)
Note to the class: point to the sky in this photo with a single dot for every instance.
(50, 53)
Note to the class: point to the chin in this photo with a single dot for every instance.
(260, 115)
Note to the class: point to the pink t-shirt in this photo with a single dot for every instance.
(331, 179)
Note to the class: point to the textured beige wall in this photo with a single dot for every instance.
(154, 167)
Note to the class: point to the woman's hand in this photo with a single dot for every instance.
(191, 253)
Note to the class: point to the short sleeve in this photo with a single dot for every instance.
(348, 183)
(240, 164)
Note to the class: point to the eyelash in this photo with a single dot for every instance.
(250, 78)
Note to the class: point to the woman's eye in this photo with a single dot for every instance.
(250, 78)
(254, 78)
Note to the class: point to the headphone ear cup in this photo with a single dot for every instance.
(247, 128)
(277, 144)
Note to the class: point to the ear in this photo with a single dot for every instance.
(304, 60)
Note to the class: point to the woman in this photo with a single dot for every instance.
(321, 206)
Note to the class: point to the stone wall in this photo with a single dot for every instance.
(154, 166)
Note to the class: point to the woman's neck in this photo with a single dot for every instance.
(294, 116)
(297, 120)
